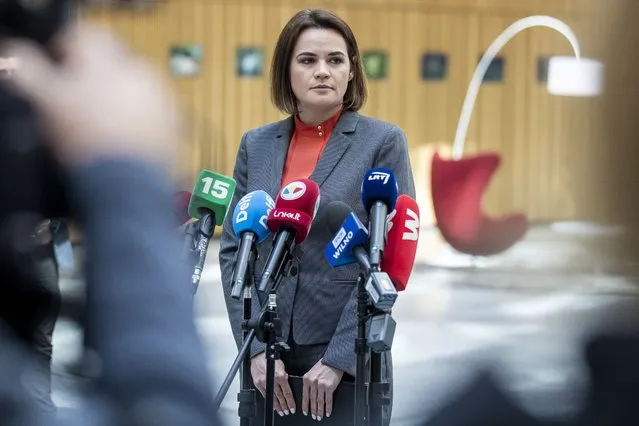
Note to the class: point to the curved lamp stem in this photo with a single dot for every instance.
(487, 58)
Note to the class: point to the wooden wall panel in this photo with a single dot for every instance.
(545, 141)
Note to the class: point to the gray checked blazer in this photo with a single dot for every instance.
(318, 305)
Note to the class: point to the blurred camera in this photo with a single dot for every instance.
(31, 187)
(30, 180)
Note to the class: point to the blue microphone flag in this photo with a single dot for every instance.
(352, 234)
(250, 214)
(379, 184)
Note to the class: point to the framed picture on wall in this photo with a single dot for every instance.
(434, 66)
(185, 60)
(250, 61)
(542, 69)
(375, 64)
(495, 72)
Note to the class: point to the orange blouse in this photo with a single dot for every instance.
(306, 147)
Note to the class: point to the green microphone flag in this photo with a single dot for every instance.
(213, 192)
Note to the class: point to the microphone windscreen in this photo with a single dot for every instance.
(181, 201)
(213, 192)
(348, 233)
(251, 213)
(295, 208)
(402, 235)
(379, 184)
(335, 214)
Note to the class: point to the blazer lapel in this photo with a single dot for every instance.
(279, 148)
(336, 146)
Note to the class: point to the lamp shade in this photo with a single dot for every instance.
(569, 76)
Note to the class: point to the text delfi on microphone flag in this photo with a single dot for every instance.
(251, 213)
(402, 235)
(353, 233)
(213, 192)
(295, 208)
(249, 225)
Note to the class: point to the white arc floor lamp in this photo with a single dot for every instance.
(567, 75)
(457, 184)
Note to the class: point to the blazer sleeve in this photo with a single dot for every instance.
(131, 268)
(227, 256)
(393, 154)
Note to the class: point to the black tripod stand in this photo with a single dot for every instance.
(370, 403)
(246, 395)
(268, 329)
(361, 349)
(271, 327)
(378, 391)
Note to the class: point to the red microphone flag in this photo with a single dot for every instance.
(295, 208)
(402, 234)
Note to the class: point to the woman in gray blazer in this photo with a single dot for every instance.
(318, 79)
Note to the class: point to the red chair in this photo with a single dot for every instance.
(457, 188)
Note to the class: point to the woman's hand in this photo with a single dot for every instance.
(283, 402)
(319, 384)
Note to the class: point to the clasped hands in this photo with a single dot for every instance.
(317, 396)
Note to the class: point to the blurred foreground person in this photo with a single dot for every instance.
(114, 127)
(611, 356)
(47, 275)
(53, 247)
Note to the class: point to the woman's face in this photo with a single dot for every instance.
(320, 69)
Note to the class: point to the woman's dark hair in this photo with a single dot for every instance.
(282, 94)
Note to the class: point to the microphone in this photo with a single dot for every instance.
(212, 195)
(348, 246)
(249, 225)
(295, 208)
(351, 237)
(402, 233)
(401, 241)
(379, 193)
(209, 203)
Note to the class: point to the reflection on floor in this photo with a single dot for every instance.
(525, 312)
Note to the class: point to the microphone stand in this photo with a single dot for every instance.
(246, 395)
(368, 414)
(272, 328)
(361, 349)
(378, 389)
(267, 328)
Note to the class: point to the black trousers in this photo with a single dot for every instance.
(298, 361)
